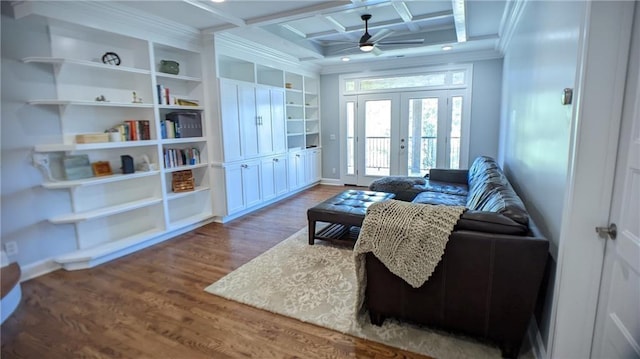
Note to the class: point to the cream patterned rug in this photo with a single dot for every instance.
(317, 284)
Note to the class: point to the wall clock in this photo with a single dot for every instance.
(111, 58)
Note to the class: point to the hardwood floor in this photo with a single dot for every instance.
(152, 304)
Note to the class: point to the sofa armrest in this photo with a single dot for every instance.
(490, 222)
(448, 175)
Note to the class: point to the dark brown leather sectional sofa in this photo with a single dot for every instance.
(487, 282)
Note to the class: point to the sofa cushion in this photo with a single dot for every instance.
(395, 183)
(429, 197)
(503, 200)
(458, 189)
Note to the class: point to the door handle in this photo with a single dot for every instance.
(611, 231)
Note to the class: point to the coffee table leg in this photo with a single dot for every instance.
(312, 231)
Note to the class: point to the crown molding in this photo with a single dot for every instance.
(115, 18)
(236, 46)
(418, 61)
(510, 19)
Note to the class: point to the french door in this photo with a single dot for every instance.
(401, 133)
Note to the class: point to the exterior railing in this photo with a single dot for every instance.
(378, 150)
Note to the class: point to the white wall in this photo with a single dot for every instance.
(560, 158)
(25, 204)
(485, 115)
(541, 60)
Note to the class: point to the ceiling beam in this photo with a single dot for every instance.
(221, 15)
(405, 14)
(333, 22)
(459, 19)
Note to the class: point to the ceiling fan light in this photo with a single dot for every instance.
(368, 47)
(345, 59)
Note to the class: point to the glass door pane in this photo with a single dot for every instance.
(456, 131)
(377, 137)
(351, 137)
(422, 139)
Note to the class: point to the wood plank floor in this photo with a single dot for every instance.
(152, 304)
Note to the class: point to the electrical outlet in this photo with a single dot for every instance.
(11, 248)
(40, 159)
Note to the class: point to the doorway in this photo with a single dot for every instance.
(403, 133)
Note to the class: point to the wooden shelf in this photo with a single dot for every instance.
(169, 141)
(97, 180)
(86, 258)
(103, 212)
(178, 77)
(85, 63)
(177, 107)
(88, 103)
(92, 146)
(175, 195)
(182, 168)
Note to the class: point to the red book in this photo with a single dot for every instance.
(166, 96)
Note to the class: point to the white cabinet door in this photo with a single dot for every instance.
(280, 175)
(268, 178)
(296, 170)
(263, 110)
(248, 120)
(251, 183)
(233, 182)
(231, 135)
(278, 122)
(312, 166)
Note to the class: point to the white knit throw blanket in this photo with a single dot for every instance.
(408, 238)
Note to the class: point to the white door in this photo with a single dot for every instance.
(377, 140)
(251, 183)
(278, 126)
(248, 120)
(405, 133)
(617, 331)
(263, 111)
(231, 133)
(280, 174)
(267, 179)
(233, 186)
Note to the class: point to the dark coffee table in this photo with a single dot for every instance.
(345, 213)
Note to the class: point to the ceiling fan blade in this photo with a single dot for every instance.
(376, 51)
(381, 34)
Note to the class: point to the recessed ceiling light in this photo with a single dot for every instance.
(217, 0)
(447, 47)
(345, 59)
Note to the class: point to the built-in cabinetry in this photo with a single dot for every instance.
(269, 133)
(118, 213)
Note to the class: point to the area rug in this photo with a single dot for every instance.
(317, 284)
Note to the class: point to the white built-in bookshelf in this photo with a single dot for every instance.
(254, 174)
(119, 213)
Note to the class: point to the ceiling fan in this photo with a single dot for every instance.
(370, 43)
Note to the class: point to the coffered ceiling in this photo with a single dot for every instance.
(324, 32)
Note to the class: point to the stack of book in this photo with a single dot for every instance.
(181, 125)
(133, 130)
(176, 157)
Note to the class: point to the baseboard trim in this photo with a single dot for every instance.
(231, 217)
(331, 182)
(39, 268)
(537, 345)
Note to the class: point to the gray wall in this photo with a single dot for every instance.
(25, 204)
(541, 61)
(485, 115)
